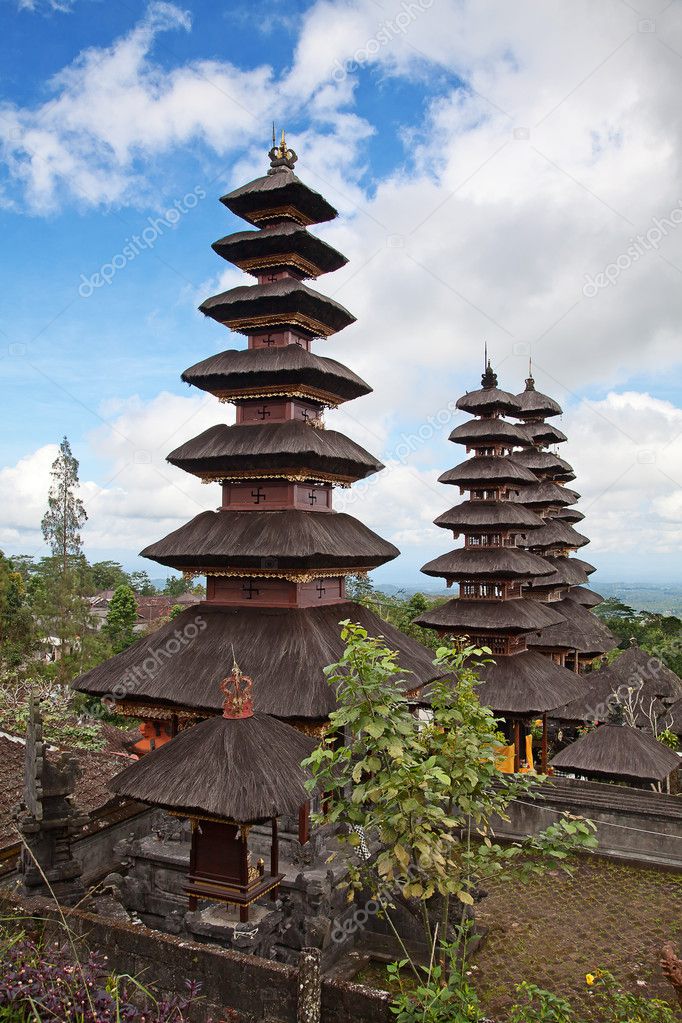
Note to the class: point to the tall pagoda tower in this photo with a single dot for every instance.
(275, 553)
(580, 637)
(492, 570)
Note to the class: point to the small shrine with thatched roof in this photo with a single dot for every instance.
(224, 775)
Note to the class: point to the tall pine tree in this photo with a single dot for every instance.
(63, 609)
(65, 511)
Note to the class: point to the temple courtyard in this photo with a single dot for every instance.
(555, 930)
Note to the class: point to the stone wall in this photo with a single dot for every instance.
(257, 990)
(632, 824)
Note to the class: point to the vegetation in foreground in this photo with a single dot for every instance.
(42, 982)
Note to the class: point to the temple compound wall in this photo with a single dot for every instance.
(256, 990)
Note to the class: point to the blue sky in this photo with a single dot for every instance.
(486, 166)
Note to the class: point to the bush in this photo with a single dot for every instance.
(41, 982)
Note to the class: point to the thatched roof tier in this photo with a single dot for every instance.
(480, 616)
(278, 247)
(602, 697)
(567, 572)
(244, 769)
(482, 432)
(578, 630)
(489, 516)
(293, 450)
(545, 464)
(556, 534)
(542, 433)
(282, 303)
(493, 470)
(635, 665)
(488, 401)
(286, 649)
(532, 403)
(278, 196)
(584, 596)
(568, 515)
(273, 372)
(280, 540)
(488, 563)
(618, 751)
(527, 683)
(546, 495)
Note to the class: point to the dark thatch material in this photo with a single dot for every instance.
(488, 563)
(276, 192)
(546, 495)
(533, 403)
(489, 516)
(479, 432)
(488, 401)
(542, 433)
(285, 649)
(487, 469)
(587, 568)
(635, 665)
(567, 572)
(580, 630)
(223, 452)
(475, 616)
(282, 540)
(245, 770)
(556, 534)
(618, 751)
(528, 683)
(584, 596)
(275, 371)
(568, 515)
(277, 244)
(281, 302)
(601, 697)
(545, 464)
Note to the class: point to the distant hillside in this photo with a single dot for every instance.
(664, 599)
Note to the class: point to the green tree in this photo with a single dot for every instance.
(176, 586)
(359, 587)
(412, 788)
(65, 513)
(107, 575)
(142, 584)
(121, 618)
(16, 631)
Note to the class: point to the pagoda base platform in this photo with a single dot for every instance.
(310, 908)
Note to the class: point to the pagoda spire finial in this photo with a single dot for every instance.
(489, 378)
(281, 158)
(237, 689)
(530, 383)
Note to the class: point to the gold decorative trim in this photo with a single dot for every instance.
(130, 709)
(277, 212)
(284, 259)
(265, 474)
(246, 324)
(323, 397)
(260, 573)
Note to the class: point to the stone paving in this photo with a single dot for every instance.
(555, 929)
